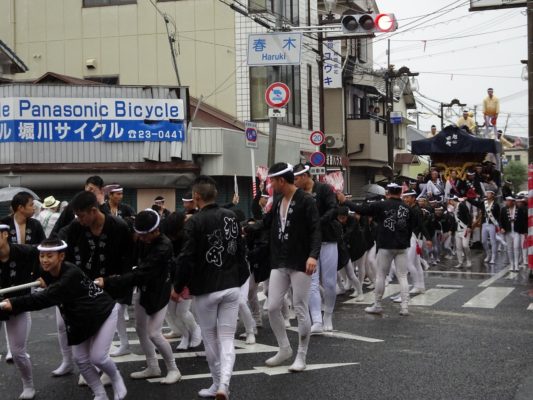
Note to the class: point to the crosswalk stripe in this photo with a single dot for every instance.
(369, 296)
(530, 307)
(495, 277)
(489, 298)
(431, 297)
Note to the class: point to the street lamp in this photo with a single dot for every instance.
(454, 102)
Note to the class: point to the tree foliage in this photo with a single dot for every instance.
(516, 172)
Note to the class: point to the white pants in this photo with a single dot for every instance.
(253, 300)
(326, 273)
(413, 265)
(17, 329)
(487, 127)
(523, 246)
(148, 329)
(513, 248)
(462, 242)
(384, 261)
(281, 280)
(217, 316)
(350, 273)
(94, 353)
(488, 235)
(122, 326)
(66, 350)
(182, 318)
(369, 264)
(244, 311)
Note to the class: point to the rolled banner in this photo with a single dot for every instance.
(20, 287)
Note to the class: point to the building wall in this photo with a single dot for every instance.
(129, 41)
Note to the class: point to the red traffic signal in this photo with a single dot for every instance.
(368, 23)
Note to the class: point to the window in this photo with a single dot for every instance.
(260, 78)
(517, 157)
(106, 80)
(309, 97)
(101, 3)
(289, 12)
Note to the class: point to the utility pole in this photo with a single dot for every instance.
(530, 79)
(273, 122)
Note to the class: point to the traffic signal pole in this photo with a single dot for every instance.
(273, 122)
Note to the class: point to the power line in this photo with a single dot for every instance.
(452, 74)
(458, 37)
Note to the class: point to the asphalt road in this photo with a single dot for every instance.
(469, 338)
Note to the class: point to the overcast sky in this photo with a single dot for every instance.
(482, 49)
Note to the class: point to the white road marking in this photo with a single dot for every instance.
(242, 348)
(489, 298)
(369, 296)
(262, 370)
(431, 297)
(530, 307)
(495, 277)
(449, 286)
(343, 335)
(459, 272)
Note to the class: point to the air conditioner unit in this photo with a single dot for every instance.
(334, 142)
(257, 6)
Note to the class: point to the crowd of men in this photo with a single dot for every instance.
(201, 269)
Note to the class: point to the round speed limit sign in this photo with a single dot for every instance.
(317, 138)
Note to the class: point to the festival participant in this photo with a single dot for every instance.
(521, 203)
(114, 205)
(295, 239)
(434, 187)
(188, 204)
(453, 185)
(179, 316)
(513, 222)
(491, 216)
(18, 263)
(420, 232)
(160, 201)
(23, 229)
(93, 184)
(326, 274)
(396, 222)
(89, 313)
(491, 109)
(100, 245)
(351, 248)
(152, 279)
(212, 267)
(462, 230)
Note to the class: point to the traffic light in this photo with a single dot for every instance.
(368, 23)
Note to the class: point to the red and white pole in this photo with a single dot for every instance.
(530, 216)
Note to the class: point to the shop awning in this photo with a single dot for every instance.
(406, 158)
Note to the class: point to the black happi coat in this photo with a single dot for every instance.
(123, 211)
(34, 231)
(100, 256)
(21, 267)
(151, 276)
(354, 239)
(301, 239)
(495, 209)
(213, 257)
(395, 220)
(326, 203)
(83, 305)
(463, 215)
(520, 220)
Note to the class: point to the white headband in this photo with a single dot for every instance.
(284, 171)
(184, 199)
(4, 227)
(117, 190)
(152, 228)
(303, 171)
(62, 246)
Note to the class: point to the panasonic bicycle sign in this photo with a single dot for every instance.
(40, 119)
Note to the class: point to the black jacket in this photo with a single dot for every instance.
(495, 207)
(214, 254)
(151, 276)
(421, 228)
(34, 234)
(111, 253)
(326, 203)
(83, 305)
(301, 239)
(21, 267)
(124, 210)
(520, 220)
(395, 222)
(354, 239)
(463, 215)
